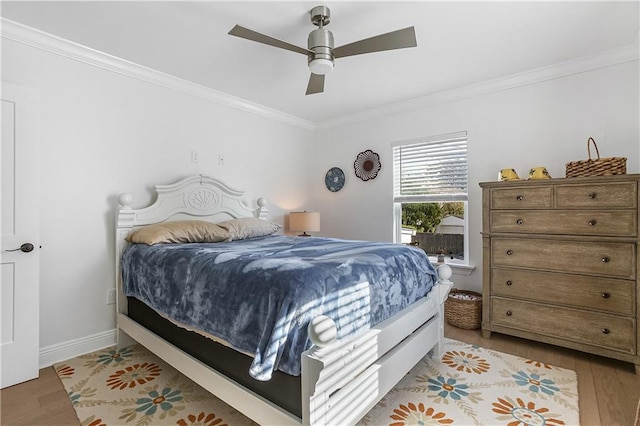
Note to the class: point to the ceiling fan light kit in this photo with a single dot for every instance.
(321, 53)
(321, 66)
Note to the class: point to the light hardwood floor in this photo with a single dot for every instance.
(609, 391)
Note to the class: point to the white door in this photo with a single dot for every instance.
(19, 273)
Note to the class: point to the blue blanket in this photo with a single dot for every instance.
(259, 294)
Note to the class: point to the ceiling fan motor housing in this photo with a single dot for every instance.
(320, 42)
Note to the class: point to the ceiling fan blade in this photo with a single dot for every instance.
(243, 32)
(316, 84)
(394, 40)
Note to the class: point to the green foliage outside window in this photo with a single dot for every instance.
(424, 217)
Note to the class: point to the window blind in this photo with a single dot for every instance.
(431, 169)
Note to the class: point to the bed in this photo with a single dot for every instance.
(316, 367)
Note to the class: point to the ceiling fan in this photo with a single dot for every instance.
(321, 53)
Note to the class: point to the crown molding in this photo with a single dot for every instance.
(41, 40)
(29, 36)
(587, 63)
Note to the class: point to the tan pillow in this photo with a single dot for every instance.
(185, 231)
(249, 227)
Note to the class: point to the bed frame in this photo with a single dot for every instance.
(341, 380)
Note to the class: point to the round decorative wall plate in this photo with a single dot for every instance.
(334, 179)
(367, 165)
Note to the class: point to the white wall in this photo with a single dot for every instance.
(103, 133)
(542, 124)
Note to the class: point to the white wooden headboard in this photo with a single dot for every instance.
(197, 197)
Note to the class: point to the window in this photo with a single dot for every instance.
(430, 195)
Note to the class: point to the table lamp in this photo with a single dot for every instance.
(303, 222)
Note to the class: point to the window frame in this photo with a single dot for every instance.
(398, 200)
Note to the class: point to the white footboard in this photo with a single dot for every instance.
(342, 381)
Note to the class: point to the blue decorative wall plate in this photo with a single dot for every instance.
(334, 179)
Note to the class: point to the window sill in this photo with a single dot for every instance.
(458, 268)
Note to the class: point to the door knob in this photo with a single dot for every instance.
(25, 248)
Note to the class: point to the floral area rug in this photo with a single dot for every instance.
(469, 385)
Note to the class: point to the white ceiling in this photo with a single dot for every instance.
(459, 43)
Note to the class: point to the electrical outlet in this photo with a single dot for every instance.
(111, 296)
(221, 159)
(195, 156)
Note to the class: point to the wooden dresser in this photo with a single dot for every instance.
(560, 263)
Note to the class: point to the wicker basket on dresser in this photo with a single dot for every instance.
(560, 261)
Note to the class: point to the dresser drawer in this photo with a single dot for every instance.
(593, 257)
(598, 329)
(596, 293)
(566, 222)
(522, 198)
(609, 195)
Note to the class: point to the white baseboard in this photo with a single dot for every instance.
(50, 355)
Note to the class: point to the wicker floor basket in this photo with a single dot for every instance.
(464, 313)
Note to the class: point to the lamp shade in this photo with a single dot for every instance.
(304, 221)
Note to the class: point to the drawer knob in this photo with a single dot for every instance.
(605, 259)
(519, 221)
(509, 282)
(592, 222)
(519, 197)
(605, 331)
(509, 313)
(605, 295)
(592, 195)
(510, 252)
